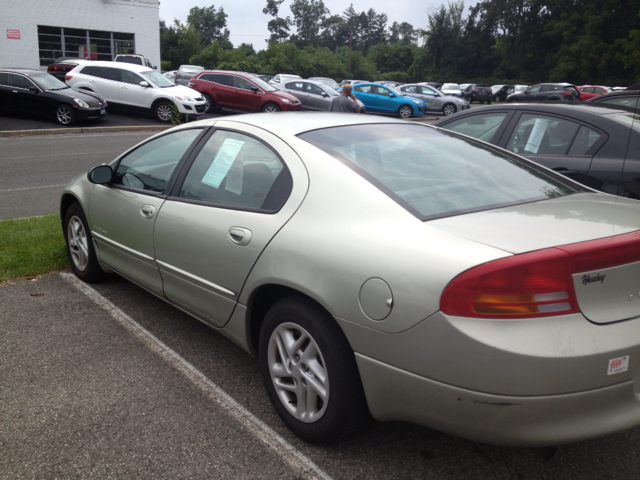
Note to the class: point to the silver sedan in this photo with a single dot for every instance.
(378, 266)
(312, 95)
(435, 99)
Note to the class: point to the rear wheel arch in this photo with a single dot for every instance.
(261, 300)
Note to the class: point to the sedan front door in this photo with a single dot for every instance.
(239, 191)
(122, 214)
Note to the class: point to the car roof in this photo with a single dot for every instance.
(127, 66)
(295, 123)
(582, 108)
(25, 71)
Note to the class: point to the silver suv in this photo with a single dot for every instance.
(137, 87)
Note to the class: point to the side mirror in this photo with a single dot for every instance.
(255, 89)
(324, 94)
(392, 95)
(34, 90)
(144, 84)
(100, 175)
(155, 68)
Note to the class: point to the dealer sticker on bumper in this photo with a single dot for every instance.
(618, 365)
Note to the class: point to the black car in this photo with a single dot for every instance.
(547, 92)
(501, 92)
(478, 92)
(35, 92)
(596, 145)
(627, 98)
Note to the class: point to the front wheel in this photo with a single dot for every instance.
(209, 105)
(405, 111)
(65, 115)
(449, 109)
(270, 108)
(80, 246)
(310, 372)
(163, 111)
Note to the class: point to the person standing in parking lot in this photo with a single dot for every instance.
(345, 102)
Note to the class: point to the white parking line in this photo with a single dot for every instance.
(32, 188)
(294, 458)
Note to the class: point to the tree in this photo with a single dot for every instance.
(178, 43)
(308, 16)
(210, 23)
(279, 27)
(403, 33)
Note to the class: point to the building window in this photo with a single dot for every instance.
(56, 42)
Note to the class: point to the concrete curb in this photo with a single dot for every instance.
(65, 131)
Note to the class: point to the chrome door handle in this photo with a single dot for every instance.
(147, 211)
(240, 236)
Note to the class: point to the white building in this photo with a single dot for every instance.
(33, 33)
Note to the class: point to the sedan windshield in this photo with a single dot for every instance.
(157, 79)
(48, 82)
(433, 173)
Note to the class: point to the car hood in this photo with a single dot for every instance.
(537, 225)
(182, 91)
(81, 94)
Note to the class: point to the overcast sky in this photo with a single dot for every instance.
(248, 24)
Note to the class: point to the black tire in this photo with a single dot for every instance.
(449, 109)
(65, 115)
(405, 111)
(271, 107)
(211, 106)
(163, 111)
(80, 249)
(488, 102)
(344, 411)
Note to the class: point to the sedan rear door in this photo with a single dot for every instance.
(230, 200)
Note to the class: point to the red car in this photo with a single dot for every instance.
(62, 66)
(241, 91)
(590, 91)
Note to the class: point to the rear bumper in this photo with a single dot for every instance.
(528, 421)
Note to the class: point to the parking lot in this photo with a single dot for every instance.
(112, 382)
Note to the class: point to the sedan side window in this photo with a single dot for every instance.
(482, 127)
(243, 84)
(237, 171)
(4, 78)
(20, 81)
(314, 89)
(412, 89)
(150, 166)
(539, 134)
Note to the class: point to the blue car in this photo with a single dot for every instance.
(384, 99)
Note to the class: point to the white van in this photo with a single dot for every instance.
(136, 87)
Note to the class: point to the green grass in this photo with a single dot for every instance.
(31, 246)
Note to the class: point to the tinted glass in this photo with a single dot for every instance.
(294, 86)
(584, 141)
(539, 134)
(433, 173)
(624, 101)
(20, 81)
(243, 84)
(150, 166)
(4, 78)
(226, 80)
(482, 127)
(130, 77)
(237, 171)
(108, 73)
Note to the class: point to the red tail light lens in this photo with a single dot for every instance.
(535, 284)
(68, 77)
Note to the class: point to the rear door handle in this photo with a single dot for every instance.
(240, 236)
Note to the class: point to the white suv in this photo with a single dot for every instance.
(136, 87)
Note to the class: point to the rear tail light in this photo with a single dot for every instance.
(68, 77)
(475, 90)
(535, 284)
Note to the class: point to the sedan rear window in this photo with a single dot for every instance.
(434, 173)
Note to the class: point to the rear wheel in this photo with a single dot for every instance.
(449, 109)
(65, 115)
(270, 108)
(310, 372)
(80, 246)
(405, 111)
(162, 111)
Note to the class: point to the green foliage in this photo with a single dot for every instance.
(499, 41)
(31, 246)
(165, 65)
